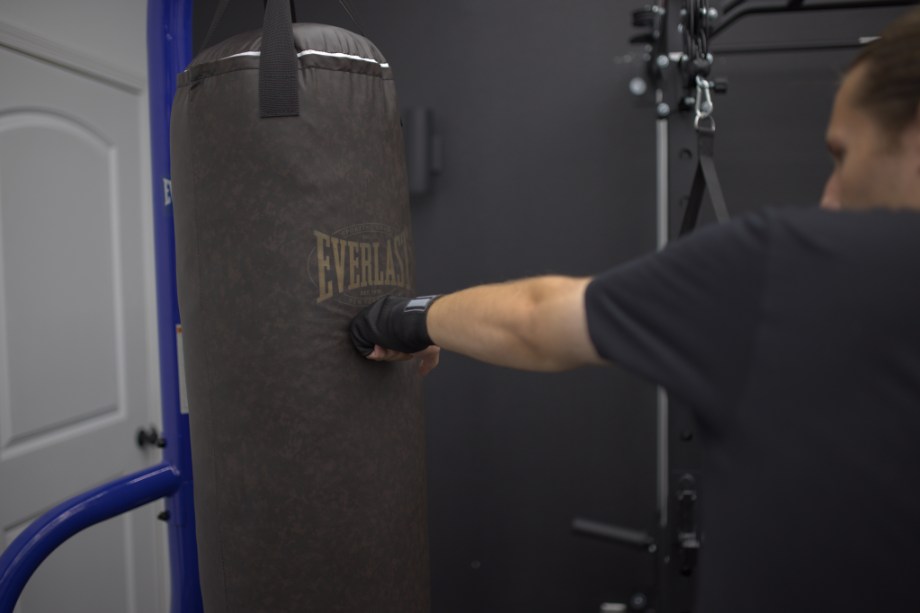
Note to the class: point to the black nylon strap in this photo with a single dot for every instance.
(278, 63)
(222, 8)
(708, 166)
(293, 10)
(705, 178)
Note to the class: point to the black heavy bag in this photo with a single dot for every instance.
(291, 213)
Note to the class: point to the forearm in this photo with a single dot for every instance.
(527, 324)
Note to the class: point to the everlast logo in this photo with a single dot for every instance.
(359, 263)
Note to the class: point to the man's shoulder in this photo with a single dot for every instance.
(873, 247)
(816, 227)
(796, 217)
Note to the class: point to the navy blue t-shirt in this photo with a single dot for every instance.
(794, 336)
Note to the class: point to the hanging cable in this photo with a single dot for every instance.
(218, 15)
(353, 16)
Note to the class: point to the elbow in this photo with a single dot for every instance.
(551, 326)
(542, 350)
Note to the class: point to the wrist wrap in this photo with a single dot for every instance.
(393, 323)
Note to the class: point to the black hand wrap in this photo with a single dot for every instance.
(393, 323)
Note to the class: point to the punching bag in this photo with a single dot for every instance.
(291, 214)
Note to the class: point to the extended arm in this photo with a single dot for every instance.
(534, 324)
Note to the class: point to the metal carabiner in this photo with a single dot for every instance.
(702, 107)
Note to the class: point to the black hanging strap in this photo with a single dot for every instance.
(278, 63)
(222, 8)
(293, 9)
(708, 171)
(706, 178)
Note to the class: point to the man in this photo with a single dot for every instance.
(793, 335)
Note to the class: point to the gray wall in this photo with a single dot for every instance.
(549, 168)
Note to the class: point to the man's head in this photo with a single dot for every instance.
(874, 131)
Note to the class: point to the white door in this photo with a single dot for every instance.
(75, 372)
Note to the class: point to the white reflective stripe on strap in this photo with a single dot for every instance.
(314, 52)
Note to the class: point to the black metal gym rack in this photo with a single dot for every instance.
(676, 39)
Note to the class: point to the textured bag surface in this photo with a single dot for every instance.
(309, 461)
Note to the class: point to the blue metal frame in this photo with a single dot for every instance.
(45, 534)
(168, 52)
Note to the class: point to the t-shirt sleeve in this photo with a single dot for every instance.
(686, 317)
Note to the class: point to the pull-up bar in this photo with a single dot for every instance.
(731, 16)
